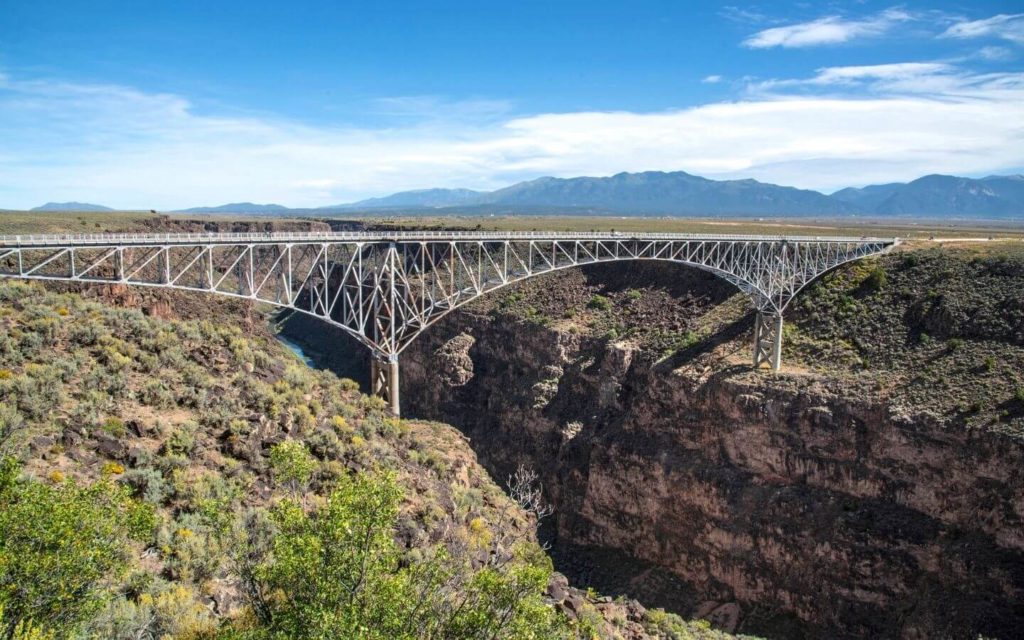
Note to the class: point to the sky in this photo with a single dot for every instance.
(167, 105)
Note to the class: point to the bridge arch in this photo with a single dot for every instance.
(386, 289)
(742, 287)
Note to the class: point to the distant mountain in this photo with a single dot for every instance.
(239, 207)
(945, 196)
(72, 206)
(675, 193)
(419, 198)
(683, 194)
(867, 198)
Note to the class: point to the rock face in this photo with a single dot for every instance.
(794, 505)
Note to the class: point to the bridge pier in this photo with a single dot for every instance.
(768, 339)
(384, 379)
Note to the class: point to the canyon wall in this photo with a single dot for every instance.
(809, 503)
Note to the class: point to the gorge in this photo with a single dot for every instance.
(873, 488)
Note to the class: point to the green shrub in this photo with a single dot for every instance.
(346, 577)
(156, 394)
(192, 550)
(599, 303)
(181, 441)
(114, 426)
(876, 278)
(61, 545)
(292, 464)
(149, 484)
(169, 611)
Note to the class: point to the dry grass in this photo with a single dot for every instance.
(16, 222)
(20, 222)
(812, 227)
(25, 222)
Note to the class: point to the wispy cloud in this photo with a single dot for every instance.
(744, 15)
(844, 125)
(896, 71)
(998, 54)
(713, 79)
(827, 30)
(935, 80)
(1005, 26)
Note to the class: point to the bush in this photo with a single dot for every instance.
(112, 469)
(172, 612)
(292, 464)
(114, 426)
(61, 545)
(876, 279)
(192, 551)
(149, 484)
(182, 440)
(346, 577)
(599, 303)
(156, 394)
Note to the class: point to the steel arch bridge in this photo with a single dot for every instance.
(384, 289)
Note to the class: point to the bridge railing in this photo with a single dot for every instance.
(108, 239)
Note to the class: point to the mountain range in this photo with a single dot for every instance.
(239, 207)
(680, 193)
(683, 194)
(71, 206)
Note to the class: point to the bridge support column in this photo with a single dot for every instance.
(768, 339)
(384, 379)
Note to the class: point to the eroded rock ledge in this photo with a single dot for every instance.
(813, 503)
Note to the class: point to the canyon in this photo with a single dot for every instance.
(873, 488)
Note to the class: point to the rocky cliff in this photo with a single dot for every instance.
(874, 488)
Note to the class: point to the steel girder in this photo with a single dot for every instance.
(385, 291)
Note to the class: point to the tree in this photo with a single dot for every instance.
(338, 573)
(60, 547)
(293, 465)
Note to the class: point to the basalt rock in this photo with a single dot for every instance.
(804, 504)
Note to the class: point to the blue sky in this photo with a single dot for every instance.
(167, 105)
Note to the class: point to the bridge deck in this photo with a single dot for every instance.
(161, 239)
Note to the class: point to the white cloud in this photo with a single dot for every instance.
(995, 54)
(827, 30)
(713, 79)
(1005, 26)
(936, 80)
(902, 70)
(126, 148)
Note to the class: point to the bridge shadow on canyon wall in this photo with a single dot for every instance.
(442, 384)
(683, 480)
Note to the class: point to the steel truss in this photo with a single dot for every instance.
(385, 289)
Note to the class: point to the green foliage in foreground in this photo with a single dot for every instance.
(59, 548)
(338, 573)
(293, 465)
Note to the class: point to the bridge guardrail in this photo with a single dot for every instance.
(101, 239)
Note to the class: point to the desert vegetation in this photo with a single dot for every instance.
(172, 479)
